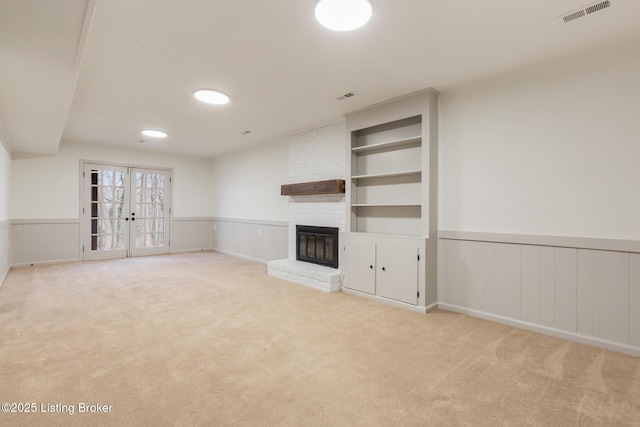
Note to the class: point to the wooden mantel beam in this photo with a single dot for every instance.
(332, 186)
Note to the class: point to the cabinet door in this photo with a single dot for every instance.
(359, 266)
(397, 272)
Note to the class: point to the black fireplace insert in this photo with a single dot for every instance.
(318, 245)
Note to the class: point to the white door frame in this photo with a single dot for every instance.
(128, 207)
(138, 208)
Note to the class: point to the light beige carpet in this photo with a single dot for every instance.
(208, 339)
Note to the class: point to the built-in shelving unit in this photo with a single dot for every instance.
(387, 145)
(386, 172)
(391, 194)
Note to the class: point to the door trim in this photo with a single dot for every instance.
(82, 223)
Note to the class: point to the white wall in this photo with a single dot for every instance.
(549, 151)
(5, 177)
(5, 172)
(552, 150)
(246, 184)
(48, 187)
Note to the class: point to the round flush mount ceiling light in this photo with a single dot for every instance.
(154, 133)
(211, 96)
(343, 15)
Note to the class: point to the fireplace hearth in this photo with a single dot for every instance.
(318, 245)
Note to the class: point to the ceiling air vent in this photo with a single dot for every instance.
(573, 15)
(598, 6)
(345, 96)
(587, 10)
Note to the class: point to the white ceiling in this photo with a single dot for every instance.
(99, 71)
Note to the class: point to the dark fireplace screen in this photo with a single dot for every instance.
(318, 245)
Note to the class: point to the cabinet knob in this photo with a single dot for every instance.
(383, 269)
(371, 267)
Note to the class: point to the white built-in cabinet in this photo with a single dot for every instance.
(383, 266)
(389, 246)
(360, 266)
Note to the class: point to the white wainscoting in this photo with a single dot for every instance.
(191, 234)
(44, 241)
(5, 261)
(588, 292)
(253, 239)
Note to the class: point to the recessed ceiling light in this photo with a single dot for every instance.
(154, 133)
(343, 15)
(211, 96)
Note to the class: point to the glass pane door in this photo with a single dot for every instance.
(106, 209)
(125, 211)
(150, 213)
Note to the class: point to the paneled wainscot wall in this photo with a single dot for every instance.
(5, 261)
(45, 241)
(585, 290)
(257, 240)
(190, 234)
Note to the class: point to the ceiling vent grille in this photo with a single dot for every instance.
(575, 15)
(587, 10)
(598, 6)
(345, 96)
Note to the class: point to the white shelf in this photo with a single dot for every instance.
(370, 234)
(388, 175)
(388, 205)
(390, 144)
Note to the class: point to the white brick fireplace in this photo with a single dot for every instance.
(314, 155)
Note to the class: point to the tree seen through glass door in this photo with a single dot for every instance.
(107, 210)
(150, 209)
(126, 211)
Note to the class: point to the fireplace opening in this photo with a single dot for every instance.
(318, 245)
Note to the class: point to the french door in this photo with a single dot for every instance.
(125, 210)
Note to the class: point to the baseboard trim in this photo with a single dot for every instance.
(4, 276)
(431, 307)
(558, 333)
(248, 258)
(397, 304)
(191, 251)
(34, 263)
